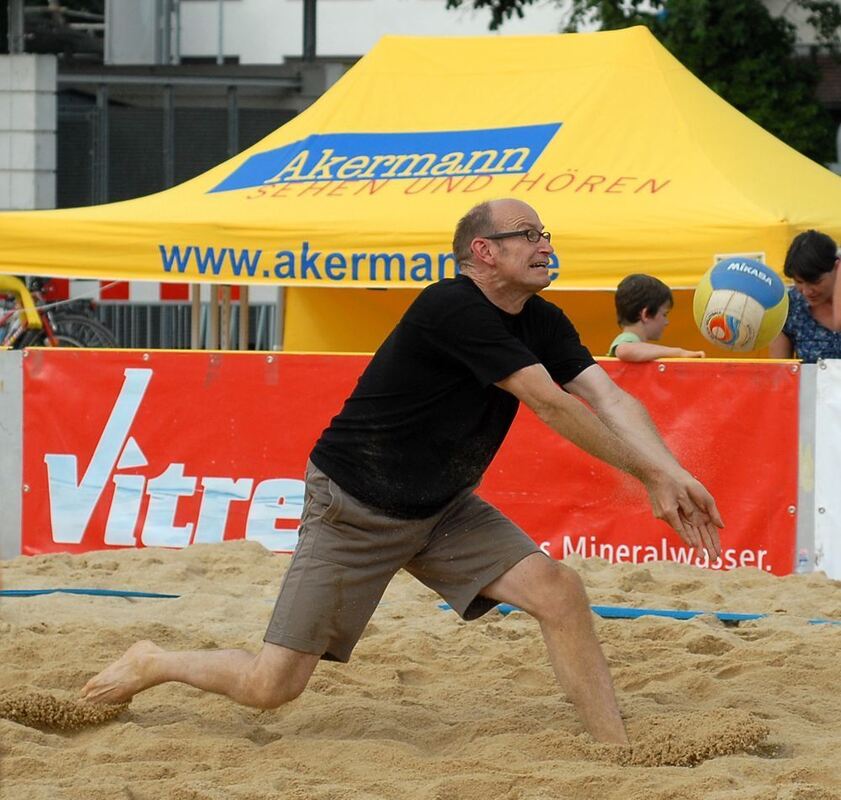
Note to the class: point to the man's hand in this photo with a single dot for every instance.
(684, 503)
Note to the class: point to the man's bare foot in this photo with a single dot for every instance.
(127, 676)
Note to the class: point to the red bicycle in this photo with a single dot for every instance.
(27, 320)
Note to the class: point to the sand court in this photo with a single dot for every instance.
(430, 707)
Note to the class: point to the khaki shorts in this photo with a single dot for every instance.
(348, 552)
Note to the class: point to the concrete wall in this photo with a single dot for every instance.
(11, 453)
(797, 16)
(267, 31)
(27, 131)
(131, 32)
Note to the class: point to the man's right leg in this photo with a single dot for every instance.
(554, 595)
(274, 676)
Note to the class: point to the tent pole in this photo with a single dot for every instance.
(213, 319)
(280, 307)
(195, 316)
(243, 318)
(225, 319)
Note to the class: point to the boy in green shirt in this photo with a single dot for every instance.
(642, 310)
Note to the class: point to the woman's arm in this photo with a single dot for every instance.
(781, 347)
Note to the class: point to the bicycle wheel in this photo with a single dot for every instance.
(87, 331)
(39, 339)
(66, 341)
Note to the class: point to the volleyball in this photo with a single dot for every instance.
(740, 304)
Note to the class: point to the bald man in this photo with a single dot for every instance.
(390, 484)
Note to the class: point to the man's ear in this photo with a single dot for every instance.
(645, 315)
(482, 251)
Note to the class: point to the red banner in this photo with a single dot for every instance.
(131, 449)
(732, 424)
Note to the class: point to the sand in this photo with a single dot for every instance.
(430, 707)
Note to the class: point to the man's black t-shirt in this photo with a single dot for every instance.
(425, 419)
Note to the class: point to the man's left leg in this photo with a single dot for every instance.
(266, 680)
(555, 596)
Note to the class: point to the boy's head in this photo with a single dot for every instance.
(638, 293)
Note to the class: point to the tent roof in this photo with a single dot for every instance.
(630, 161)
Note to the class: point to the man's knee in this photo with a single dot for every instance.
(270, 696)
(267, 691)
(559, 593)
(270, 682)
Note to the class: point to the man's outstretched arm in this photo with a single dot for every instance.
(621, 433)
(683, 502)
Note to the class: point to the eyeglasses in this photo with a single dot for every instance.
(532, 234)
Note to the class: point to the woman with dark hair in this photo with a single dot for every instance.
(813, 327)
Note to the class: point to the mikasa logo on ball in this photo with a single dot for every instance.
(740, 304)
(741, 266)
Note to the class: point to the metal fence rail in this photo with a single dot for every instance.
(167, 326)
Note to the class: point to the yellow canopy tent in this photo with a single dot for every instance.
(631, 162)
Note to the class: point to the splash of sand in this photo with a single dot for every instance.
(42, 710)
(687, 740)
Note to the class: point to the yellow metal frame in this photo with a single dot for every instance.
(9, 284)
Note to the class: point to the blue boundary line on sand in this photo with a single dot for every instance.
(95, 592)
(621, 612)
(607, 612)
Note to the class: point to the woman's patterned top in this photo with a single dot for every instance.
(810, 339)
